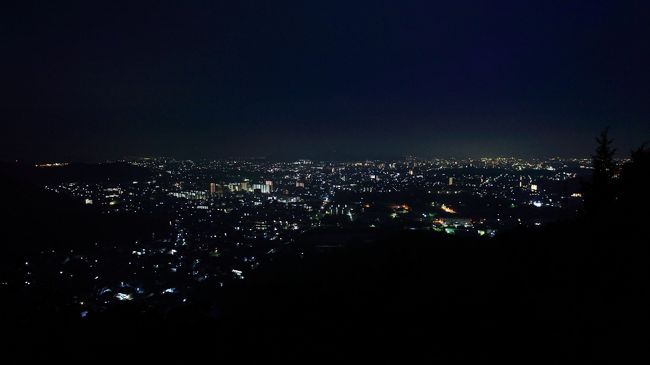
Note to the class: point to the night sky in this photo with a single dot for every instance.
(321, 79)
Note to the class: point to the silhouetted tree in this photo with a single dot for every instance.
(634, 182)
(603, 160)
(601, 192)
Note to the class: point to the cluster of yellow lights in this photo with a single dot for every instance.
(447, 209)
(398, 206)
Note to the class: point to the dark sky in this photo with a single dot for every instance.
(321, 79)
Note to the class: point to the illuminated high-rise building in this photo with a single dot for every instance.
(451, 181)
(263, 188)
(216, 189)
(246, 185)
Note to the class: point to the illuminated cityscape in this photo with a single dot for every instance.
(225, 218)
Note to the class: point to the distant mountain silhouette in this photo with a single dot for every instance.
(119, 172)
(36, 219)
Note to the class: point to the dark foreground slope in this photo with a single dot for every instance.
(573, 292)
